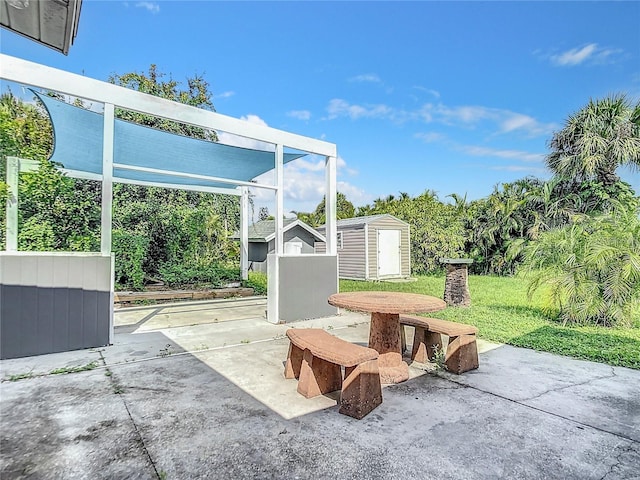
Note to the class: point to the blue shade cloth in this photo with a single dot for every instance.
(78, 138)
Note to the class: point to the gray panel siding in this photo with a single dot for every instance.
(388, 223)
(76, 311)
(45, 317)
(54, 303)
(295, 234)
(34, 328)
(27, 316)
(406, 251)
(61, 314)
(90, 319)
(103, 326)
(351, 257)
(300, 234)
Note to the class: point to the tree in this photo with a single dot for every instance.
(56, 212)
(187, 232)
(156, 230)
(590, 269)
(263, 214)
(344, 209)
(497, 222)
(437, 229)
(597, 140)
(196, 95)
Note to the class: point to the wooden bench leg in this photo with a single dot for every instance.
(294, 362)
(361, 390)
(462, 354)
(317, 376)
(425, 345)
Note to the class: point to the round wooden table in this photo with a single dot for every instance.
(384, 332)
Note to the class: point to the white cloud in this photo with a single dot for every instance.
(518, 122)
(607, 56)
(519, 168)
(430, 137)
(304, 181)
(152, 7)
(509, 154)
(588, 54)
(471, 115)
(430, 91)
(305, 186)
(575, 56)
(467, 116)
(341, 108)
(367, 77)
(227, 94)
(238, 141)
(531, 163)
(300, 114)
(310, 166)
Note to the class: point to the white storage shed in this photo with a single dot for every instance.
(375, 247)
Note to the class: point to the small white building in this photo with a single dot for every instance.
(375, 247)
(299, 238)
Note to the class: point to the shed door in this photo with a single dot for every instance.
(388, 252)
(293, 248)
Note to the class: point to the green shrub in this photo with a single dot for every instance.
(177, 274)
(36, 235)
(592, 269)
(257, 281)
(130, 251)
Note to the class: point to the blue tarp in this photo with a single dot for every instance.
(78, 139)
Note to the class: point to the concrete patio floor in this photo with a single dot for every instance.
(197, 391)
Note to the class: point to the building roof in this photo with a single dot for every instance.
(265, 230)
(357, 221)
(53, 23)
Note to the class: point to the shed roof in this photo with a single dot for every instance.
(357, 221)
(265, 230)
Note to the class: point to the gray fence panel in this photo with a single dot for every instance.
(53, 302)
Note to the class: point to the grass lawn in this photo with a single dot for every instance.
(503, 313)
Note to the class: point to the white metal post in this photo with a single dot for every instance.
(244, 233)
(273, 260)
(330, 205)
(13, 170)
(279, 199)
(15, 166)
(107, 179)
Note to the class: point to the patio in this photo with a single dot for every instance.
(197, 391)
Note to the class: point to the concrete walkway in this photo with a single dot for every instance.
(196, 391)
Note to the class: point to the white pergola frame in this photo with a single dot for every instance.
(28, 73)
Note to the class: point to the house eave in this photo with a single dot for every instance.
(53, 23)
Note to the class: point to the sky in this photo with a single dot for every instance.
(453, 97)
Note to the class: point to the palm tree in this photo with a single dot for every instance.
(597, 140)
(590, 269)
(551, 205)
(459, 202)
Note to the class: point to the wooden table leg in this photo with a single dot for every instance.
(384, 336)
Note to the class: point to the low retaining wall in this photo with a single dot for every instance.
(54, 302)
(168, 295)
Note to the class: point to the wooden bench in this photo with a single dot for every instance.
(462, 351)
(315, 358)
